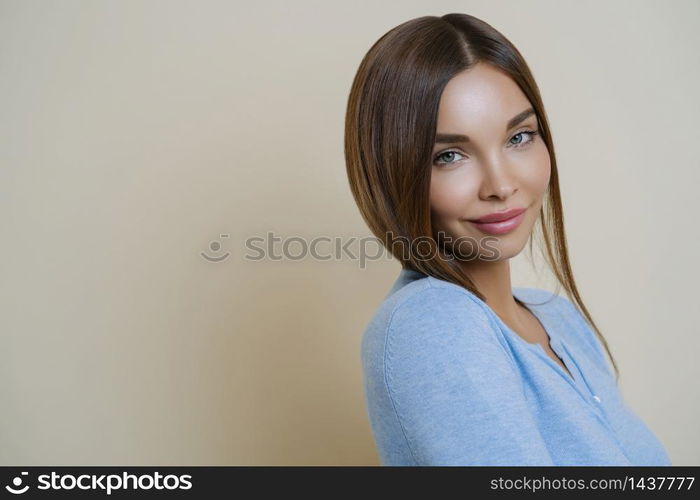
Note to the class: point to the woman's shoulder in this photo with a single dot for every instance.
(547, 301)
(422, 307)
(443, 301)
(572, 325)
(427, 295)
(538, 296)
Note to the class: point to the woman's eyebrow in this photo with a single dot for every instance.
(452, 138)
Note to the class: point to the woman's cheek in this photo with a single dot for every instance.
(544, 167)
(535, 173)
(450, 196)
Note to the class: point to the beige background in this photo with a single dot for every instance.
(134, 133)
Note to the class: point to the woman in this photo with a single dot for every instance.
(450, 160)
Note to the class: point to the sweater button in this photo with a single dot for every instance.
(596, 398)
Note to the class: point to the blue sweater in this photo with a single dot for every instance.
(446, 382)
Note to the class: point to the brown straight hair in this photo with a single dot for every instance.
(390, 129)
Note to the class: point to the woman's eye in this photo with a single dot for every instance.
(446, 155)
(531, 133)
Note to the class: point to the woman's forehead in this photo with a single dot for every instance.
(478, 98)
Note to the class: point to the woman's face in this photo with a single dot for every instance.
(498, 165)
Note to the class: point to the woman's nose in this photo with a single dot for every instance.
(498, 179)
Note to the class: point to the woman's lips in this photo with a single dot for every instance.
(501, 227)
